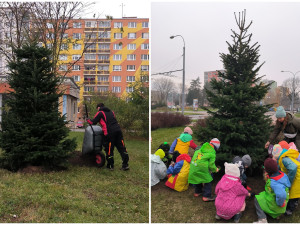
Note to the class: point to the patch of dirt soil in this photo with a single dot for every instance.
(77, 159)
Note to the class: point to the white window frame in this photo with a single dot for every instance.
(131, 57)
(116, 89)
(105, 89)
(102, 44)
(49, 25)
(129, 89)
(104, 24)
(103, 67)
(104, 34)
(118, 35)
(76, 67)
(130, 67)
(76, 57)
(144, 67)
(63, 67)
(130, 79)
(105, 57)
(116, 78)
(63, 57)
(100, 78)
(118, 24)
(64, 46)
(117, 57)
(117, 68)
(118, 46)
(145, 46)
(145, 24)
(90, 24)
(145, 35)
(131, 46)
(131, 36)
(77, 25)
(76, 46)
(76, 35)
(76, 78)
(145, 57)
(90, 56)
(131, 24)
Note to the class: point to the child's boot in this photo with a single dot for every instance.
(237, 217)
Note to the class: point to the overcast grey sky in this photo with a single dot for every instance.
(207, 26)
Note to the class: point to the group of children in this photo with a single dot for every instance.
(282, 177)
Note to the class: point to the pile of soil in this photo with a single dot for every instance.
(77, 159)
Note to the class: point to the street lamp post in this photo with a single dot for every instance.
(183, 72)
(293, 88)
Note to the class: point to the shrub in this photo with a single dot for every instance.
(163, 120)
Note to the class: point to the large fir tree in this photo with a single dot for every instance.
(239, 121)
(194, 91)
(33, 129)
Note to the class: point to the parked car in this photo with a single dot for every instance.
(79, 124)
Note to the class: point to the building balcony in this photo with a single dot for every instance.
(94, 40)
(97, 51)
(88, 29)
(94, 72)
(107, 61)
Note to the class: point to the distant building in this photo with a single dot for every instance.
(208, 75)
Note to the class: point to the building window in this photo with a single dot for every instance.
(76, 35)
(131, 35)
(117, 68)
(64, 46)
(77, 25)
(117, 46)
(103, 57)
(49, 25)
(118, 24)
(131, 46)
(104, 68)
(104, 24)
(145, 46)
(104, 46)
(131, 57)
(90, 56)
(117, 57)
(144, 57)
(129, 89)
(63, 57)
(87, 89)
(116, 89)
(132, 25)
(91, 36)
(145, 35)
(102, 89)
(64, 36)
(90, 24)
(76, 57)
(89, 67)
(118, 35)
(116, 78)
(145, 25)
(130, 78)
(145, 78)
(76, 78)
(48, 35)
(63, 25)
(104, 34)
(50, 45)
(103, 78)
(63, 67)
(76, 68)
(130, 67)
(77, 46)
(91, 47)
(144, 67)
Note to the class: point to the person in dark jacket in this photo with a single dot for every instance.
(113, 135)
(289, 125)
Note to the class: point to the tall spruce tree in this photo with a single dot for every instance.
(239, 121)
(33, 129)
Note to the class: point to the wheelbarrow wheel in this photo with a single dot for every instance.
(100, 159)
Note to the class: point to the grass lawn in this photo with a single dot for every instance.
(169, 206)
(81, 194)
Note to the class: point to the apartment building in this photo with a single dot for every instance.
(108, 54)
(208, 75)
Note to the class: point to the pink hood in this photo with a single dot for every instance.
(185, 157)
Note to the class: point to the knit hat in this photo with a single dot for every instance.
(276, 151)
(247, 160)
(160, 153)
(188, 130)
(280, 112)
(232, 169)
(284, 145)
(100, 105)
(292, 146)
(215, 142)
(270, 166)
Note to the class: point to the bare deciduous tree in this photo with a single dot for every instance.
(164, 86)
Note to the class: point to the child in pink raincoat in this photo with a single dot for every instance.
(231, 194)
